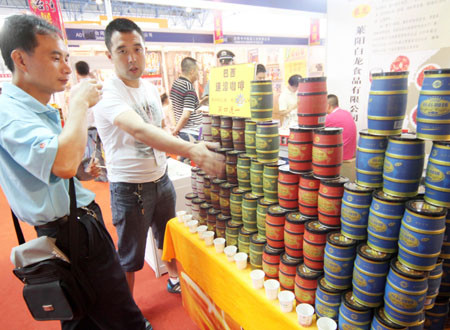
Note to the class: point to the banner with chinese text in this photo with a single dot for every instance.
(229, 90)
(50, 10)
(314, 33)
(218, 31)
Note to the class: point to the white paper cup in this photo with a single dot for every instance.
(257, 277)
(201, 229)
(180, 215)
(208, 236)
(241, 260)
(187, 218)
(230, 251)
(286, 299)
(325, 323)
(305, 314)
(219, 244)
(193, 226)
(271, 287)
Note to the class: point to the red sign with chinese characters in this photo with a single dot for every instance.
(50, 10)
(314, 35)
(218, 32)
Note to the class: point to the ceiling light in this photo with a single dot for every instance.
(188, 9)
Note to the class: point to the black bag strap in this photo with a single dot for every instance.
(19, 232)
(73, 228)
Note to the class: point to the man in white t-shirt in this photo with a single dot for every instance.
(287, 103)
(128, 119)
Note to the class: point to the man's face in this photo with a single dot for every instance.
(292, 88)
(47, 68)
(127, 55)
(194, 76)
(261, 76)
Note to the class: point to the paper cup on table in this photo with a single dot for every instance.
(286, 299)
(187, 218)
(241, 260)
(325, 323)
(180, 215)
(305, 314)
(201, 229)
(257, 277)
(208, 236)
(219, 244)
(230, 251)
(271, 287)
(193, 226)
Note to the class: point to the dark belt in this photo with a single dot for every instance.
(60, 221)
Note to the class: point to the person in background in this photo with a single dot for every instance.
(260, 72)
(337, 117)
(225, 57)
(185, 101)
(128, 119)
(38, 157)
(169, 120)
(82, 70)
(287, 102)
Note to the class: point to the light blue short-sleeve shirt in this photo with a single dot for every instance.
(28, 144)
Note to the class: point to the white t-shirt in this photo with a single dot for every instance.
(288, 99)
(89, 114)
(127, 159)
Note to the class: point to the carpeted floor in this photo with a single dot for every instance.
(164, 310)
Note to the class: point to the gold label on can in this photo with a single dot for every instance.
(402, 301)
(377, 224)
(434, 174)
(331, 265)
(388, 167)
(436, 84)
(350, 214)
(274, 231)
(270, 270)
(408, 239)
(325, 311)
(435, 107)
(249, 139)
(359, 279)
(293, 150)
(313, 251)
(308, 197)
(321, 155)
(327, 205)
(304, 296)
(376, 162)
(242, 174)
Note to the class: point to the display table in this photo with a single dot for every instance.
(227, 286)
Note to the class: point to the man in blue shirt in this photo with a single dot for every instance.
(38, 157)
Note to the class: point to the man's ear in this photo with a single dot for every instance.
(19, 58)
(108, 54)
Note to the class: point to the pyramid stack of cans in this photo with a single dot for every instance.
(370, 253)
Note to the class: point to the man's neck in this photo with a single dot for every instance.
(42, 97)
(131, 83)
(186, 77)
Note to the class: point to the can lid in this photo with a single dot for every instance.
(353, 187)
(398, 267)
(190, 196)
(209, 177)
(322, 283)
(223, 150)
(381, 317)
(287, 260)
(350, 302)
(238, 119)
(381, 195)
(312, 79)
(366, 133)
(257, 239)
(329, 130)
(205, 206)
(223, 217)
(437, 71)
(213, 211)
(314, 226)
(386, 74)
(406, 137)
(198, 201)
(308, 176)
(201, 173)
(338, 182)
(275, 164)
(250, 196)
(218, 181)
(304, 272)
(301, 129)
(442, 143)
(336, 238)
(297, 217)
(367, 252)
(195, 169)
(235, 152)
(227, 185)
(239, 191)
(272, 251)
(244, 155)
(285, 169)
(262, 201)
(246, 232)
(421, 207)
(276, 210)
(232, 224)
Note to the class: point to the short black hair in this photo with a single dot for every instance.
(260, 68)
(19, 32)
(294, 80)
(82, 68)
(188, 64)
(163, 97)
(333, 100)
(120, 25)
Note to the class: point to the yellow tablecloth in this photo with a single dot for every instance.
(230, 288)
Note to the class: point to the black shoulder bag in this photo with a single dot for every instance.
(53, 289)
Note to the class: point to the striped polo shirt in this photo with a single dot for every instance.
(184, 97)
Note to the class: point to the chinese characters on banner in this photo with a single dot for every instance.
(358, 63)
(229, 90)
(218, 31)
(50, 10)
(314, 34)
(295, 62)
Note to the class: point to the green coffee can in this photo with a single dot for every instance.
(249, 205)
(261, 212)
(256, 251)
(232, 232)
(244, 240)
(267, 142)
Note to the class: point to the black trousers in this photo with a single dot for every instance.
(114, 307)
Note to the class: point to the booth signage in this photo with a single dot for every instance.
(229, 90)
(50, 10)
